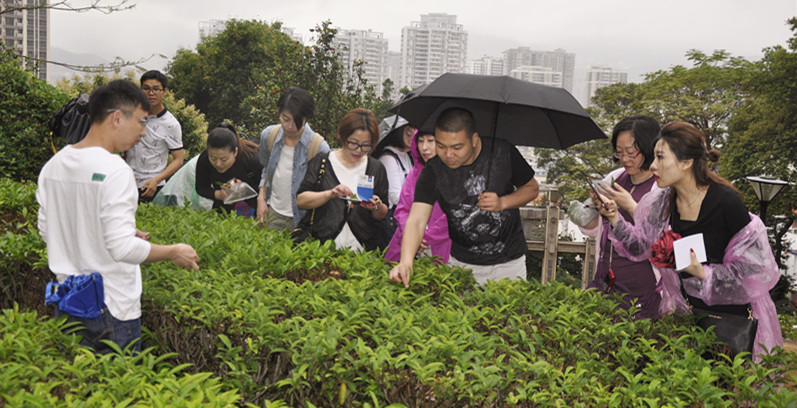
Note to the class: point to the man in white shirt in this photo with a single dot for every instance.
(88, 200)
(149, 159)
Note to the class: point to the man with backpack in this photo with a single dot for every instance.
(285, 150)
(149, 159)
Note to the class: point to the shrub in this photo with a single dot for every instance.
(41, 366)
(22, 251)
(192, 122)
(26, 104)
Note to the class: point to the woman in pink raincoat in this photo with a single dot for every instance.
(436, 236)
(740, 269)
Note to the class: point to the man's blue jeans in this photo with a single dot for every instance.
(125, 333)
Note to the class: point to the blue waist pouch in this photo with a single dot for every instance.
(79, 296)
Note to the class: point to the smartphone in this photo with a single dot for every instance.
(356, 201)
(594, 190)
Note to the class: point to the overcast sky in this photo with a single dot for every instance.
(640, 36)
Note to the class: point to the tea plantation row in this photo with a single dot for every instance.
(314, 326)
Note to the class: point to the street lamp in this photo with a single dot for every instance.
(766, 188)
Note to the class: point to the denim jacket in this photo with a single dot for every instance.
(270, 159)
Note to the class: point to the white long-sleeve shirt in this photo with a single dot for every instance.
(397, 166)
(88, 199)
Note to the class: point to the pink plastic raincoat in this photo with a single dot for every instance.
(436, 234)
(747, 272)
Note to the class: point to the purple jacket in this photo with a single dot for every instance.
(747, 272)
(436, 234)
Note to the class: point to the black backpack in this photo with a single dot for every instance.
(72, 121)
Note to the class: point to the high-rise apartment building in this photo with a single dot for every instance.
(538, 75)
(486, 66)
(25, 26)
(394, 66)
(366, 46)
(600, 76)
(558, 60)
(431, 47)
(394, 73)
(211, 28)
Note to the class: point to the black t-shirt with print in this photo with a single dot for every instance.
(479, 237)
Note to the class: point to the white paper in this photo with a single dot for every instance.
(682, 246)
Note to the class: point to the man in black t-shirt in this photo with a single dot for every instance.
(480, 187)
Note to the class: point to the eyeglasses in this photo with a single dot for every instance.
(630, 152)
(147, 89)
(142, 121)
(365, 148)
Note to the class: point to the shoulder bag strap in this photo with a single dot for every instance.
(321, 172)
(272, 136)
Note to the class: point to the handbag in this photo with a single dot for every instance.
(736, 332)
(79, 296)
(304, 230)
(385, 230)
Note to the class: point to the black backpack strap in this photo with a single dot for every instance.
(395, 156)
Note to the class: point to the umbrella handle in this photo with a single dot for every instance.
(492, 146)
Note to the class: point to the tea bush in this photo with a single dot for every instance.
(22, 251)
(314, 326)
(41, 366)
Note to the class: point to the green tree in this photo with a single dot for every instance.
(615, 102)
(26, 105)
(570, 168)
(240, 74)
(763, 136)
(228, 68)
(86, 82)
(323, 75)
(705, 95)
(194, 126)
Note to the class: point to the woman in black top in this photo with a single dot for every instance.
(227, 159)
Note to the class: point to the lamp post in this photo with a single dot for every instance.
(766, 188)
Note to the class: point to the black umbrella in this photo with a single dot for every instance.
(521, 112)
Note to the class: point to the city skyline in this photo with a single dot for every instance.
(627, 35)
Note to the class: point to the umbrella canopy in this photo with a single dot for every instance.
(389, 124)
(521, 112)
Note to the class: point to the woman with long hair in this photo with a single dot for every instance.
(740, 268)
